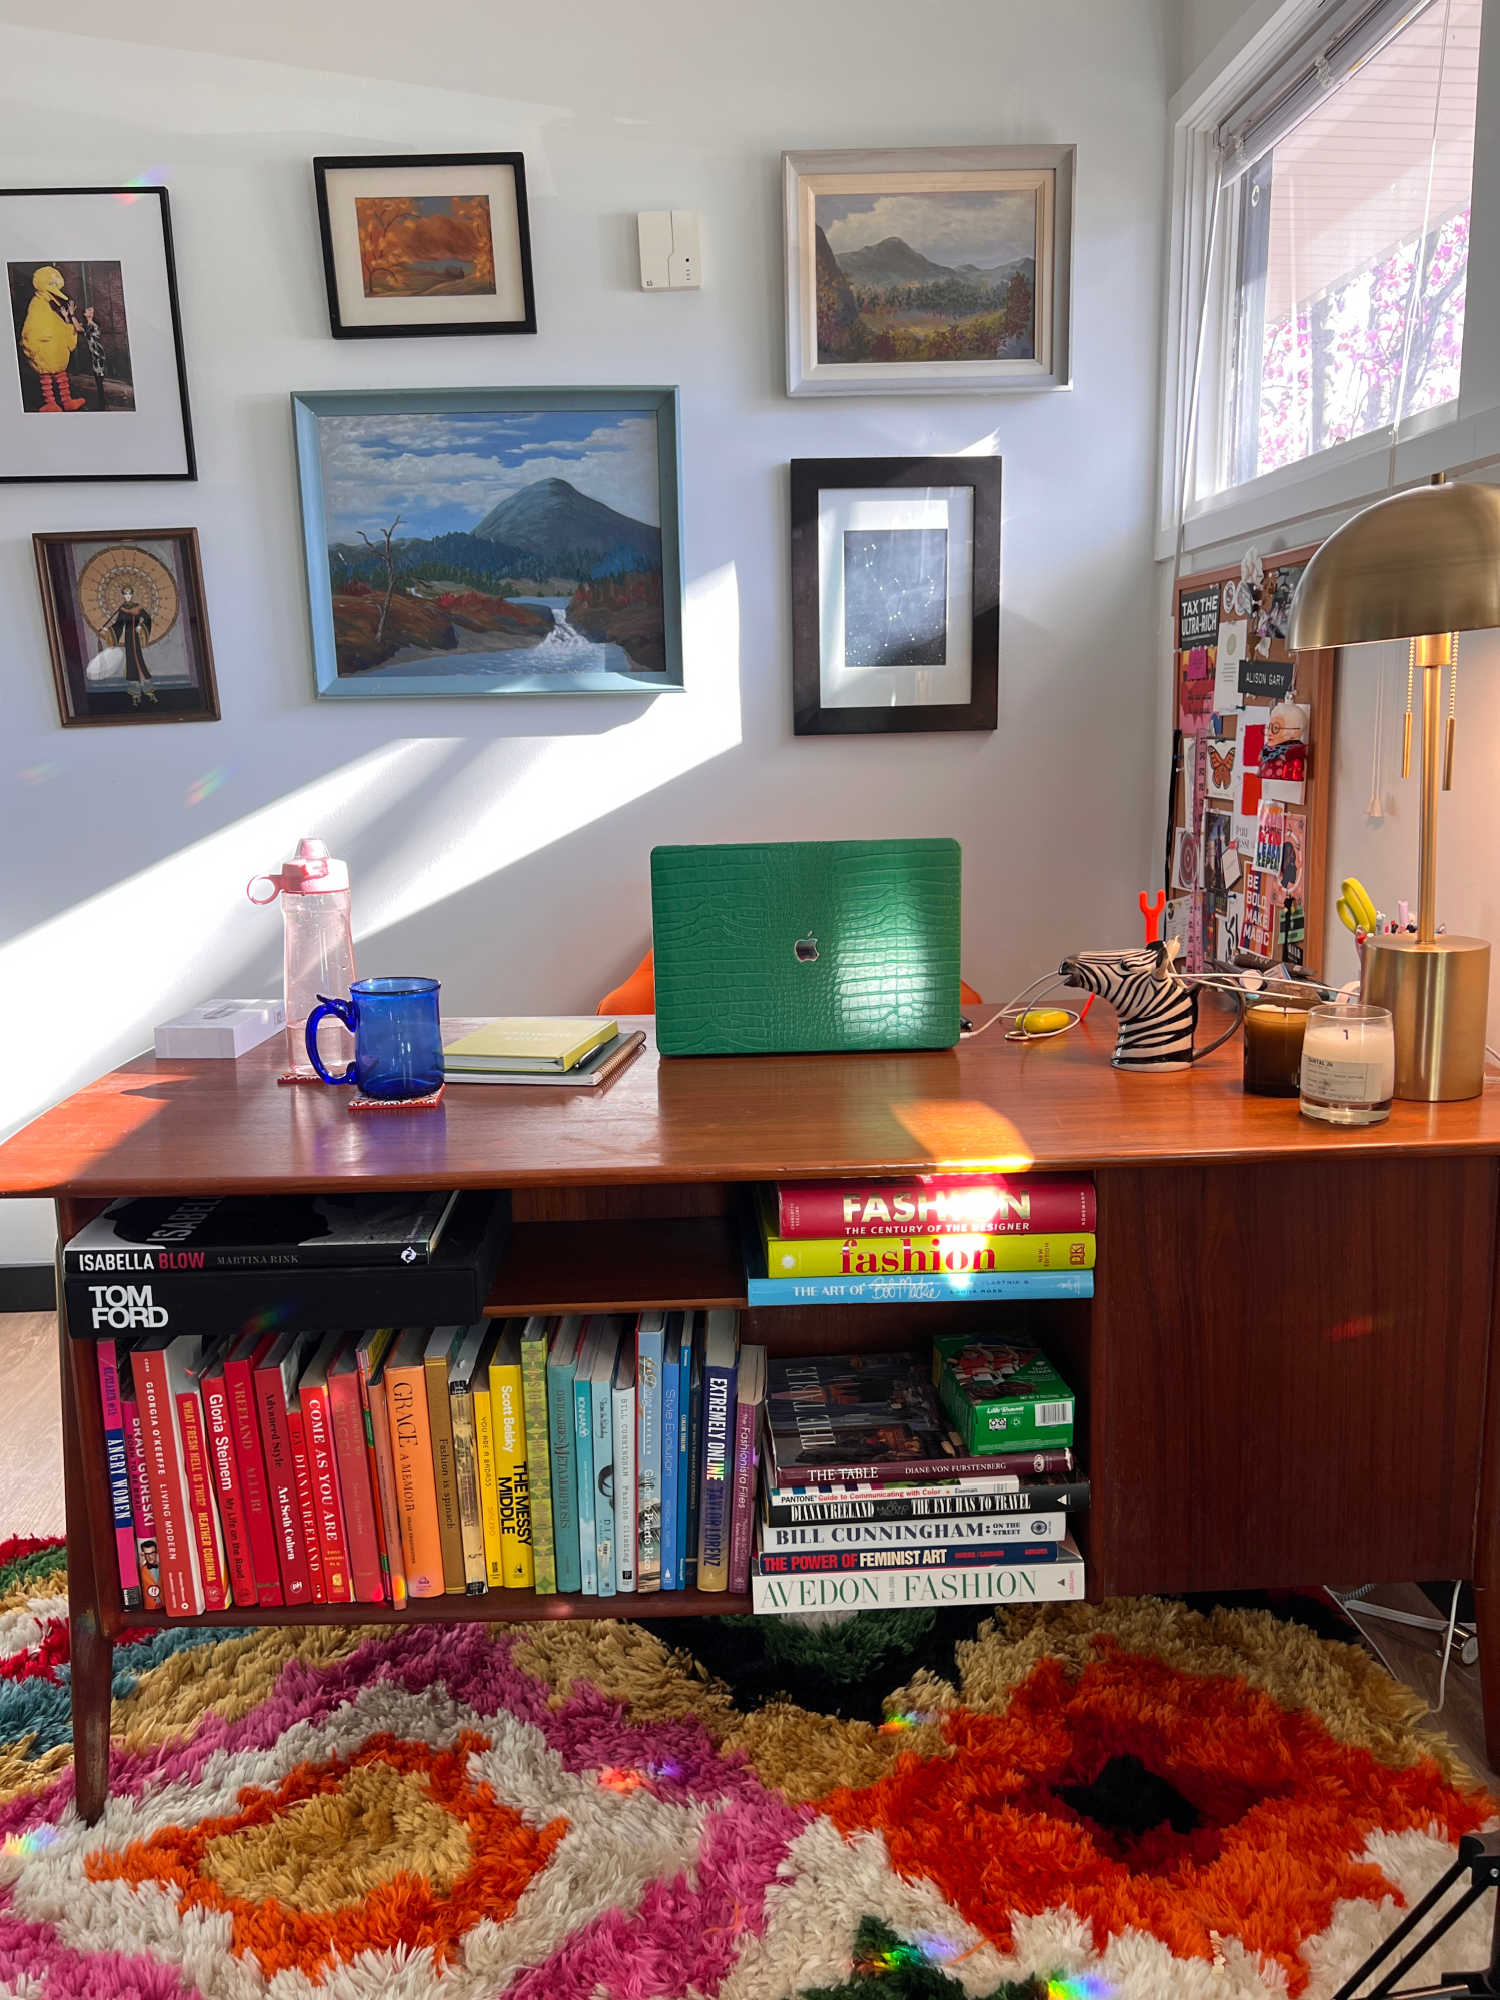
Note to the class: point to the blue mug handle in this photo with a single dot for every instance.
(341, 1010)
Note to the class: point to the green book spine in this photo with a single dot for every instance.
(538, 1453)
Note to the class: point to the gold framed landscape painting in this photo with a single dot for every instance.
(934, 269)
(425, 243)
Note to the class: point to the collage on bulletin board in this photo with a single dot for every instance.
(1248, 831)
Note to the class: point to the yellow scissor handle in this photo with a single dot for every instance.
(1356, 911)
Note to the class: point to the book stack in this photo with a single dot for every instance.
(536, 1049)
(951, 1237)
(871, 1499)
(596, 1455)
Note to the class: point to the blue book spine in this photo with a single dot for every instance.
(671, 1574)
(583, 1471)
(604, 1482)
(650, 1346)
(684, 1443)
(920, 1290)
(694, 1464)
(560, 1423)
(717, 1477)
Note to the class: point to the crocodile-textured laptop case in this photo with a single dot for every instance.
(795, 946)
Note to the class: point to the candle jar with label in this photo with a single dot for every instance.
(1348, 1064)
(1274, 1023)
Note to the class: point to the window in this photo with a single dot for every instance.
(1321, 204)
(1329, 243)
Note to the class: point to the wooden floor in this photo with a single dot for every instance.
(31, 1503)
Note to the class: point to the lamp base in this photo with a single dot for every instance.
(1438, 995)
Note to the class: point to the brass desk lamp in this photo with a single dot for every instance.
(1423, 566)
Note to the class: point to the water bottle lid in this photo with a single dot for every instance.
(310, 872)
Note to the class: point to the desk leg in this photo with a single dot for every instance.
(1487, 1540)
(92, 1650)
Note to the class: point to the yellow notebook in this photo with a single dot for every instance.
(541, 1041)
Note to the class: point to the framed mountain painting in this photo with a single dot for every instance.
(484, 542)
(937, 269)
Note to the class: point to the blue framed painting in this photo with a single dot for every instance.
(484, 542)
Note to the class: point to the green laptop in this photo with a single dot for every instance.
(795, 946)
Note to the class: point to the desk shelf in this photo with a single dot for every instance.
(496, 1607)
(680, 1263)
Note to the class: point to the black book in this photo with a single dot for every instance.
(447, 1288)
(1038, 1498)
(276, 1232)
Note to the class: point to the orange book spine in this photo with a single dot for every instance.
(416, 1486)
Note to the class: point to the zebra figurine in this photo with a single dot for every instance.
(1157, 1009)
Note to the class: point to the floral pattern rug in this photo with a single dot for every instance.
(1134, 1799)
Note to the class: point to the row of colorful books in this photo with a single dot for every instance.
(895, 1480)
(955, 1237)
(581, 1454)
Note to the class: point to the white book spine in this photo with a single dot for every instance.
(1001, 1583)
(951, 1530)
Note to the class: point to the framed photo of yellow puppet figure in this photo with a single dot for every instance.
(97, 387)
(127, 626)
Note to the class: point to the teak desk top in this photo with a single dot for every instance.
(159, 1127)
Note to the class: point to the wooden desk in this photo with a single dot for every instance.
(1285, 1375)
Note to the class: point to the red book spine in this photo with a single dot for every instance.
(353, 1457)
(182, 1594)
(281, 1486)
(226, 1481)
(746, 1465)
(328, 1508)
(147, 1558)
(307, 1518)
(202, 1514)
(963, 1204)
(260, 1527)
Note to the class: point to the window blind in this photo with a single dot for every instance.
(1343, 36)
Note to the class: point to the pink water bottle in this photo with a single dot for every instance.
(319, 948)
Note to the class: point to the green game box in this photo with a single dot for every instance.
(1001, 1395)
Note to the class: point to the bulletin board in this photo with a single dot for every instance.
(1252, 764)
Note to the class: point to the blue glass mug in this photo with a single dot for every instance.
(398, 1043)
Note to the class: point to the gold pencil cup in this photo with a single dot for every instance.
(1438, 995)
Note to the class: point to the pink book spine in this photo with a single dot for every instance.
(742, 1520)
(203, 1516)
(307, 1520)
(354, 1480)
(119, 1473)
(260, 1527)
(226, 1480)
(328, 1504)
(147, 1559)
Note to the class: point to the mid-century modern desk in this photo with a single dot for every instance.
(1287, 1372)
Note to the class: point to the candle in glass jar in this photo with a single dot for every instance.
(1274, 1026)
(1348, 1064)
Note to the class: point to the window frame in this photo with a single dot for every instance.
(1343, 476)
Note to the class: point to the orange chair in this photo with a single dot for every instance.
(637, 994)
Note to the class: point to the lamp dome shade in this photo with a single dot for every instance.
(1415, 563)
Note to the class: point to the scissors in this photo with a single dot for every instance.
(1356, 911)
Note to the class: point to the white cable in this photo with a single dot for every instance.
(1419, 262)
(1447, 1649)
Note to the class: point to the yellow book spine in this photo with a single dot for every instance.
(508, 1417)
(924, 1256)
(489, 1498)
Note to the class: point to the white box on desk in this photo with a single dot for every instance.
(221, 1028)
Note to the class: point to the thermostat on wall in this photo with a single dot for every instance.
(669, 249)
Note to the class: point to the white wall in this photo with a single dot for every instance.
(1202, 25)
(504, 847)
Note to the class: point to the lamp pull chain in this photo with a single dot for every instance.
(1411, 669)
(1452, 728)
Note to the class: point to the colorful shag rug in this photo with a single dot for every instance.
(1136, 1800)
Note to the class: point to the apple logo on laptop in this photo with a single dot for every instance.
(806, 949)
